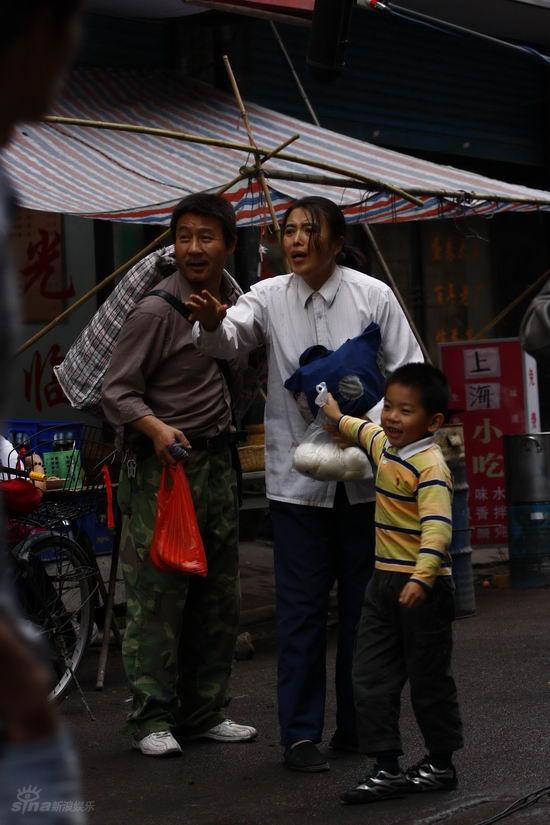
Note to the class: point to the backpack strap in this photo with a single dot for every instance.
(223, 367)
(180, 307)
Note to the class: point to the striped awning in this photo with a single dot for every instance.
(139, 178)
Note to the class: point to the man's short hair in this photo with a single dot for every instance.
(430, 383)
(213, 206)
(16, 16)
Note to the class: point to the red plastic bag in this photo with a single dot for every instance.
(177, 542)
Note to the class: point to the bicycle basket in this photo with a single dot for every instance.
(75, 476)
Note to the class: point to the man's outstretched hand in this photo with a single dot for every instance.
(207, 310)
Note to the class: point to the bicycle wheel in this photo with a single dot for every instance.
(56, 583)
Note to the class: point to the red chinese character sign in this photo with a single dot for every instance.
(38, 250)
(494, 392)
(42, 389)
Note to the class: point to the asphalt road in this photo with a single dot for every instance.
(502, 666)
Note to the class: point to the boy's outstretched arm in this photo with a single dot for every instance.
(368, 435)
(331, 408)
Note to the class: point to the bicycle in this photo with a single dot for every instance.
(56, 584)
(56, 579)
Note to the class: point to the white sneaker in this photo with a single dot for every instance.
(159, 743)
(228, 731)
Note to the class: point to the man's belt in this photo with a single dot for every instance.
(143, 446)
(216, 443)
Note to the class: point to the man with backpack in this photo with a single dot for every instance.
(158, 392)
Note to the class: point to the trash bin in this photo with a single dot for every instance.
(451, 441)
(527, 471)
(461, 550)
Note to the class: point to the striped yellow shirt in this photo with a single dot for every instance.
(413, 503)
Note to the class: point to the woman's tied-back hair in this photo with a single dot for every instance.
(430, 383)
(213, 206)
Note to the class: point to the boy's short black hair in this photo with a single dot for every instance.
(212, 205)
(428, 380)
(15, 17)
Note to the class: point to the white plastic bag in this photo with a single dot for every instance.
(319, 457)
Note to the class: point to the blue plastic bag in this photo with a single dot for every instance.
(351, 373)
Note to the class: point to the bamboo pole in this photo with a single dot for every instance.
(410, 194)
(155, 131)
(249, 171)
(279, 148)
(391, 280)
(109, 615)
(320, 180)
(125, 266)
(86, 297)
(258, 168)
(241, 176)
(478, 196)
(512, 305)
(349, 183)
(373, 183)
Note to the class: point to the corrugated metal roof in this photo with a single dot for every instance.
(139, 178)
(412, 88)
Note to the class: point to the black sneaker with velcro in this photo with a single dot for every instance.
(376, 786)
(424, 777)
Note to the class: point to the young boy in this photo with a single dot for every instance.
(405, 628)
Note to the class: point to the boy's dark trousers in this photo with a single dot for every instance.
(394, 644)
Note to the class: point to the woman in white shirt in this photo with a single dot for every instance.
(323, 531)
(8, 458)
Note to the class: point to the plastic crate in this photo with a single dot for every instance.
(64, 464)
(92, 531)
(17, 429)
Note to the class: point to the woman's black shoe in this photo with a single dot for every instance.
(305, 757)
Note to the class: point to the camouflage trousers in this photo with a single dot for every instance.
(180, 630)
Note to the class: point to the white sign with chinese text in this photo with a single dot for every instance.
(483, 396)
(482, 362)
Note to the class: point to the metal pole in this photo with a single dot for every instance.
(301, 89)
(452, 28)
